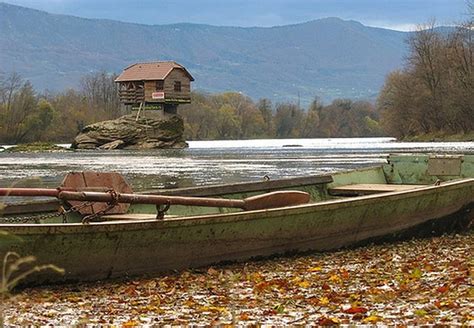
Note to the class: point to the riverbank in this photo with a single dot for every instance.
(37, 147)
(415, 282)
(440, 137)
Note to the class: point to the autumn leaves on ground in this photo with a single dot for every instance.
(415, 282)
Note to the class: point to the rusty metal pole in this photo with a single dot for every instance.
(29, 192)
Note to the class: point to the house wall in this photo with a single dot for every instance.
(150, 87)
(170, 94)
(177, 75)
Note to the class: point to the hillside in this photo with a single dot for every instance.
(327, 57)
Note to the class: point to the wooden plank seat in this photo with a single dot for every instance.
(369, 189)
(259, 186)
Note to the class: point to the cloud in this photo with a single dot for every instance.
(405, 27)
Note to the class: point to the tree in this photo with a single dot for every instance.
(101, 93)
(265, 107)
(22, 104)
(311, 128)
(433, 93)
(427, 64)
(8, 87)
(288, 120)
(228, 123)
(461, 56)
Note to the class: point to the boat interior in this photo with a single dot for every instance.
(399, 173)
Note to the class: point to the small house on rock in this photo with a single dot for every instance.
(155, 85)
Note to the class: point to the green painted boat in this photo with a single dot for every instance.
(408, 195)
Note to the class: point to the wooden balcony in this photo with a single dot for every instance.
(132, 96)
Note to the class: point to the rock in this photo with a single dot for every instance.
(151, 131)
(117, 144)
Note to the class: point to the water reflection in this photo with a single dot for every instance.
(208, 162)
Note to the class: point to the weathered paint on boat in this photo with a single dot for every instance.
(101, 250)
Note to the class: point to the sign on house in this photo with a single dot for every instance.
(158, 95)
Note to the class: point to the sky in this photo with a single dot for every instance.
(394, 14)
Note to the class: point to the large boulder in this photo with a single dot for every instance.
(151, 131)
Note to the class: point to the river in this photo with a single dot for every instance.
(211, 162)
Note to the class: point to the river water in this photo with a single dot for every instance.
(211, 162)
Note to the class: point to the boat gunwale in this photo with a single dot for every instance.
(121, 225)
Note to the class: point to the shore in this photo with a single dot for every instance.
(440, 137)
(416, 282)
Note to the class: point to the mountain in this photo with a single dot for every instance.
(330, 57)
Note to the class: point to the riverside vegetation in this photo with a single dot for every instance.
(431, 96)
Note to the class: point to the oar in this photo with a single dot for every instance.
(264, 201)
(268, 200)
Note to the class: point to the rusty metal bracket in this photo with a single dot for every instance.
(161, 210)
(110, 205)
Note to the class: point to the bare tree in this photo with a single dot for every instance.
(102, 93)
(426, 61)
(8, 86)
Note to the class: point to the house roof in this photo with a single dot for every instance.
(158, 70)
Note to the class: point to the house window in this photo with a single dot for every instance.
(160, 85)
(177, 86)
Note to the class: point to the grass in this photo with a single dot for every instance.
(37, 147)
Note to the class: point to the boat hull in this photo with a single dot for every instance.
(103, 250)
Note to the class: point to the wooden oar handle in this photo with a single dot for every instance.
(149, 199)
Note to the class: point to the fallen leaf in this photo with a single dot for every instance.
(131, 323)
(357, 309)
(304, 284)
(420, 312)
(442, 289)
(325, 321)
(416, 273)
(315, 269)
(324, 301)
(372, 319)
(219, 309)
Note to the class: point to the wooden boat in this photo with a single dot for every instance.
(408, 194)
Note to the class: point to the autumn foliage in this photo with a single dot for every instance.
(232, 115)
(434, 93)
(27, 116)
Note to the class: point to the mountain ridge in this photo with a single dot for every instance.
(328, 57)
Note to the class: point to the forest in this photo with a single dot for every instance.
(432, 93)
(27, 116)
